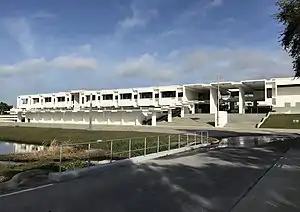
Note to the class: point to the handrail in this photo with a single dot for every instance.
(132, 147)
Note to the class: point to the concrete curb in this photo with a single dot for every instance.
(63, 176)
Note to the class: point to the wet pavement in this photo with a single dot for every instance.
(193, 181)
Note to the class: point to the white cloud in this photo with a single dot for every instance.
(137, 18)
(75, 63)
(20, 30)
(41, 64)
(215, 3)
(43, 15)
(146, 66)
(239, 63)
(173, 31)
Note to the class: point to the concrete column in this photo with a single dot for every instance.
(231, 105)
(122, 118)
(19, 117)
(241, 101)
(193, 108)
(170, 115)
(153, 118)
(182, 112)
(213, 97)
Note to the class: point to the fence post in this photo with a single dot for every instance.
(111, 150)
(60, 158)
(201, 134)
(187, 139)
(89, 157)
(129, 151)
(145, 146)
(169, 143)
(178, 140)
(207, 136)
(157, 143)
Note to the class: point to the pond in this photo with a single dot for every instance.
(8, 147)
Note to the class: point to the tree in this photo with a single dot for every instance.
(289, 16)
(4, 108)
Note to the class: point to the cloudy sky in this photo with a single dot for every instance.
(58, 45)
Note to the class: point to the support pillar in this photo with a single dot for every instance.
(122, 118)
(193, 107)
(170, 115)
(182, 112)
(153, 118)
(241, 101)
(213, 97)
(19, 117)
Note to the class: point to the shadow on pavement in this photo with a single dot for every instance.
(191, 182)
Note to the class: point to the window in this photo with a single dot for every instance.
(116, 97)
(47, 99)
(234, 93)
(36, 100)
(73, 98)
(156, 95)
(67, 99)
(168, 94)
(82, 100)
(93, 97)
(180, 94)
(135, 96)
(61, 99)
(146, 95)
(24, 101)
(107, 97)
(99, 98)
(88, 97)
(126, 95)
(269, 93)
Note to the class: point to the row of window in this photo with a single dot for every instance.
(87, 98)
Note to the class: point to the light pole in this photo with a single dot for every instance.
(218, 91)
(90, 116)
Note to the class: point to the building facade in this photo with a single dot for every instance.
(136, 106)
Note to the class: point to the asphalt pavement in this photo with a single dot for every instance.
(195, 181)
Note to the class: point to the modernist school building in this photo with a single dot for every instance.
(137, 106)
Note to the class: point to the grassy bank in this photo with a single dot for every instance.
(39, 136)
(282, 121)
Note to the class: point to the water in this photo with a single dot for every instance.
(7, 148)
(240, 141)
(250, 141)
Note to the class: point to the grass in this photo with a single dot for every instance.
(42, 136)
(76, 156)
(282, 121)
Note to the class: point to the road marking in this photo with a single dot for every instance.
(26, 190)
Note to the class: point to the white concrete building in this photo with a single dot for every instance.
(137, 106)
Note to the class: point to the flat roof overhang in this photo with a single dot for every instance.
(197, 86)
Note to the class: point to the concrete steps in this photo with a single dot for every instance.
(207, 120)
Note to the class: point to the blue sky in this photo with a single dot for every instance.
(58, 45)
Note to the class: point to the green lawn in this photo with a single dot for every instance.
(282, 121)
(31, 135)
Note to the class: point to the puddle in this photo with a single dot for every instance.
(250, 141)
(7, 148)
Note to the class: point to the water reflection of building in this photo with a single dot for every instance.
(27, 148)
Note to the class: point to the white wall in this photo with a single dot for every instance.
(81, 117)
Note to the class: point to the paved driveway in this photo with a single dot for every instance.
(194, 181)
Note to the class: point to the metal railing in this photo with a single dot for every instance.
(76, 155)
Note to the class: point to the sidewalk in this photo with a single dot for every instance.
(279, 189)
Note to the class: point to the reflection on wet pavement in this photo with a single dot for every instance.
(250, 141)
